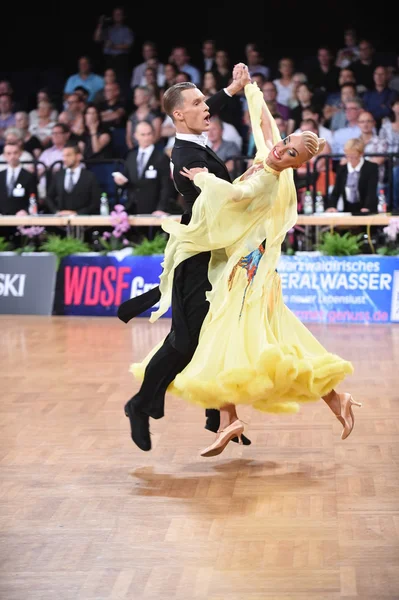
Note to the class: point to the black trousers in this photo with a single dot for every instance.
(189, 309)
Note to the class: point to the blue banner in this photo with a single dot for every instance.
(353, 289)
(318, 289)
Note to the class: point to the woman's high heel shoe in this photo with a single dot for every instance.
(346, 416)
(236, 429)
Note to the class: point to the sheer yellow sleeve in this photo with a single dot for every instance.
(257, 106)
(247, 189)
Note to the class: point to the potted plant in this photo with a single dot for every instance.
(63, 246)
(5, 246)
(335, 244)
(150, 247)
(31, 239)
(114, 241)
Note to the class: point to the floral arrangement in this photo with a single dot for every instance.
(31, 238)
(116, 240)
(391, 232)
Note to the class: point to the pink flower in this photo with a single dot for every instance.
(392, 230)
(119, 208)
(126, 242)
(31, 232)
(106, 235)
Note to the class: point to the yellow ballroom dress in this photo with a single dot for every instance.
(252, 349)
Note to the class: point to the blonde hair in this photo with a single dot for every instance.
(354, 144)
(313, 144)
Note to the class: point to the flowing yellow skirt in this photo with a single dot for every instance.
(265, 358)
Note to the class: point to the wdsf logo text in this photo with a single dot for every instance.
(12, 284)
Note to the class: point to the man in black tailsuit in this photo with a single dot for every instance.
(185, 104)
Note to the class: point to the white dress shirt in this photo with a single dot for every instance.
(147, 153)
(201, 139)
(10, 172)
(75, 176)
(357, 168)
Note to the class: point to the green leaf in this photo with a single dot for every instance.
(63, 247)
(148, 247)
(335, 244)
(4, 244)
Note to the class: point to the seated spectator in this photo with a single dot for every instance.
(305, 98)
(150, 82)
(379, 100)
(372, 143)
(85, 78)
(209, 84)
(353, 108)
(363, 68)
(223, 69)
(284, 83)
(31, 142)
(282, 125)
(13, 136)
(82, 93)
(334, 98)
(146, 175)
(16, 183)
(43, 127)
(389, 135)
(109, 77)
(324, 75)
(42, 96)
(356, 182)
(207, 62)
(181, 77)
(142, 112)
(73, 189)
(149, 51)
(60, 135)
(339, 118)
(170, 76)
(73, 114)
(317, 177)
(7, 117)
(226, 151)
(180, 58)
(312, 112)
(350, 51)
(113, 111)
(269, 90)
(297, 78)
(255, 63)
(96, 141)
(6, 88)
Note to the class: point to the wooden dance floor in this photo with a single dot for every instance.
(85, 515)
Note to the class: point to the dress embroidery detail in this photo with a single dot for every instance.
(250, 263)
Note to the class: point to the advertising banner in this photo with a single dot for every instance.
(97, 285)
(318, 289)
(353, 289)
(27, 283)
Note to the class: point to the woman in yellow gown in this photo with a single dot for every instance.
(252, 349)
